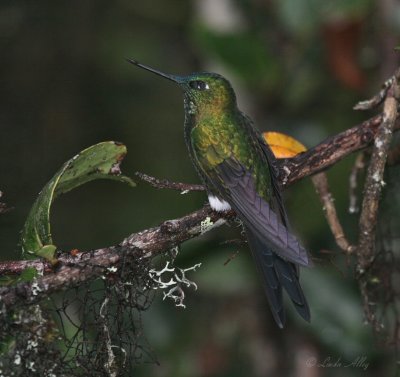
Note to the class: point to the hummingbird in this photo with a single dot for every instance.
(239, 172)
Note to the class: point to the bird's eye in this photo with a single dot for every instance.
(199, 85)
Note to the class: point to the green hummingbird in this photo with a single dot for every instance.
(239, 171)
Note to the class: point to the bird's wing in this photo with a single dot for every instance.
(274, 171)
(236, 185)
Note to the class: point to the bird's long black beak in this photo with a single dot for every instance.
(170, 77)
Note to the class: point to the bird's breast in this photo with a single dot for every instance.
(213, 141)
(217, 139)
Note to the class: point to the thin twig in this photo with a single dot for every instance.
(358, 167)
(231, 257)
(378, 98)
(321, 184)
(166, 184)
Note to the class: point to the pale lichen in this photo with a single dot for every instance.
(376, 177)
(35, 288)
(172, 279)
(17, 359)
(31, 366)
(378, 143)
(206, 225)
(287, 174)
(32, 344)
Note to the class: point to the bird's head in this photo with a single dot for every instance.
(204, 92)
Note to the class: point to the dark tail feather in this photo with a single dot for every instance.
(276, 273)
(289, 278)
(273, 289)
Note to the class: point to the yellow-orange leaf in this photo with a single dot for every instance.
(283, 146)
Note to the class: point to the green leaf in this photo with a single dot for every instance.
(28, 274)
(100, 161)
(25, 276)
(47, 252)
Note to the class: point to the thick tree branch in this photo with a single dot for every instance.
(330, 151)
(374, 182)
(316, 159)
(85, 266)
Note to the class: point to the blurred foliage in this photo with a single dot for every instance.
(297, 66)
